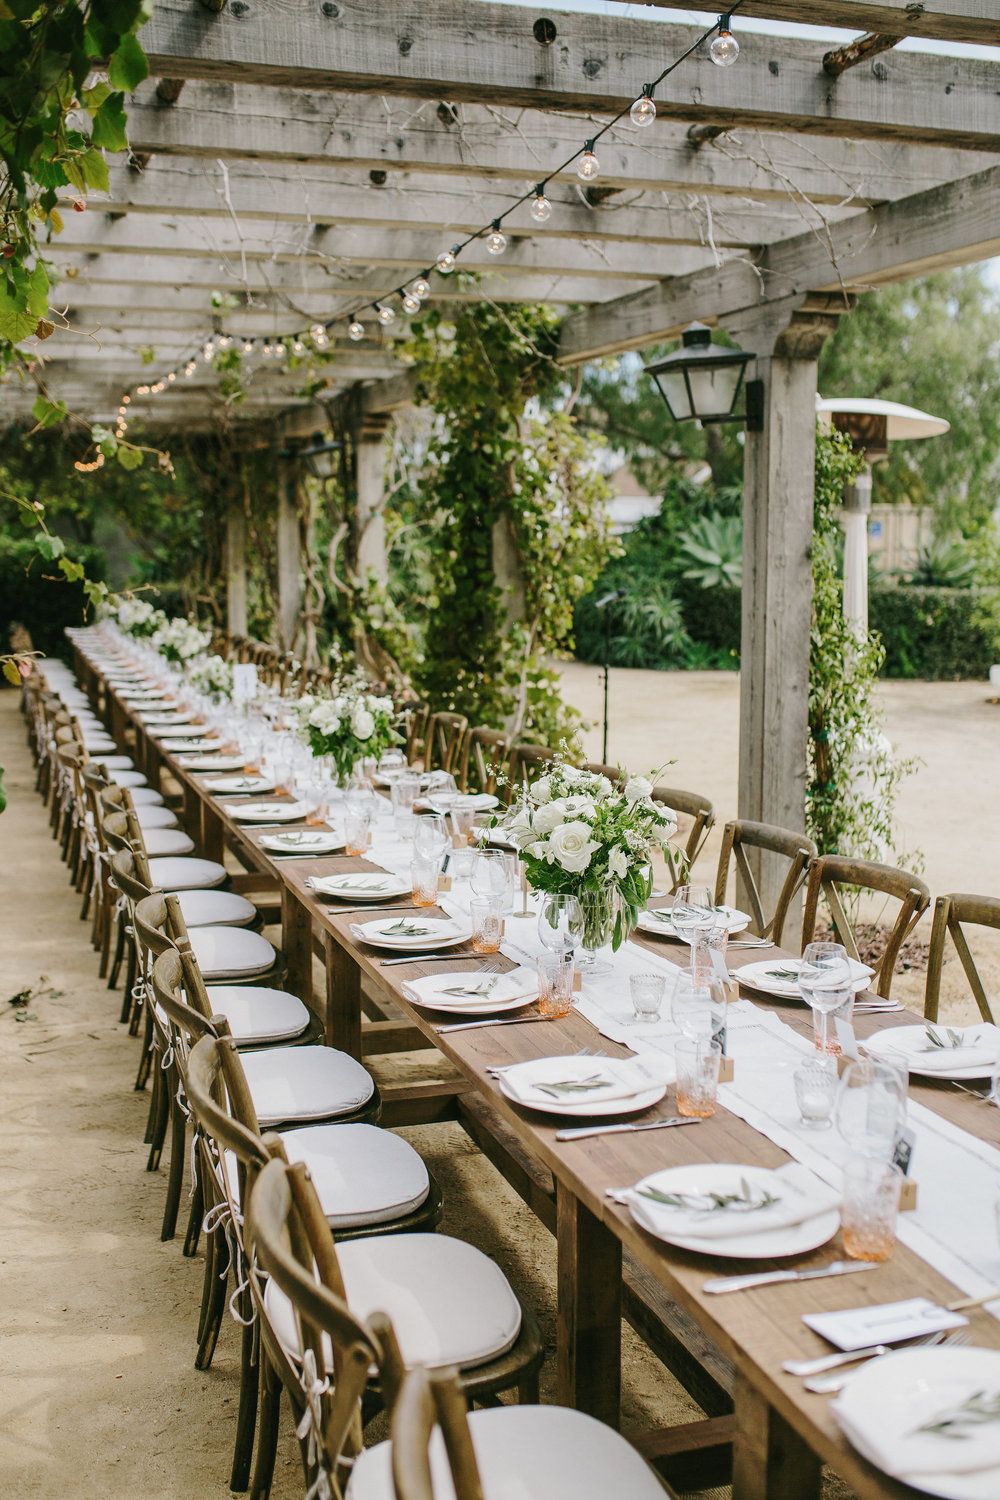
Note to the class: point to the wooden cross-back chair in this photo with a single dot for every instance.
(796, 849)
(414, 715)
(527, 762)
(484, 754)
(617, 775)
(829, 873)
(702, 814)
(952, 913)
(443, 741)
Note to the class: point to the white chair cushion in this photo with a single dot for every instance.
(306, 1083)
(142, 796)
(164, 841)
(526, 1453)
(215, 908)
(229, 951)
(131, 779)
(449, 1303)
(114, 762)
(257, 1014)
(155, 817)
(186, 874)
(95, 743)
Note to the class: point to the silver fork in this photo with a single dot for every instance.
(829, 1385)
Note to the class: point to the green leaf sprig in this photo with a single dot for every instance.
(745, 1201)
(958, 1422)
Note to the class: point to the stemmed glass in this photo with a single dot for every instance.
(430, 835)
(559, 921)
(825, 982)
(493, 875)
(692, 911)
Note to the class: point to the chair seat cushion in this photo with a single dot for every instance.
(306, 1083)
(186, 874)
(142, 795)
(164, 841)
(114, 762)
(257, 1014)
(215, 908)
(224, 952)
(526, 1453)
(155, 817)
(449, 1303)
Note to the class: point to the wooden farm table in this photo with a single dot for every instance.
(781, 1434)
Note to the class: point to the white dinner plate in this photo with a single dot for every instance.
(434, 932)
(497, 992)
(360, 886)
(659, 924)
(796, 1239)
(903, 1042)
(885, 1401)
(268, 812)
(445, 803)
(212, 762)
(589, 1110)
(236, 785)
(762, 976)
(303, 841)
(178, 727)
(173, 746)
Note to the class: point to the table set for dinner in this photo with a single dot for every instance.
(738, 1119)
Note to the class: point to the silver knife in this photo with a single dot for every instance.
(500, 1021)
(771, 1278)
(580, 1132)
(430, 958)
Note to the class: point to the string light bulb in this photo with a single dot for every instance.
(319, 335)
(298, 347)
(411, 303)
(142, 390)
(643, 111)
(446, 261)
(420, 287)
(724, 49)
(355, 331)
(190, 368)
(248, 346)
(588, 166)
(172, 376)
(496, 240)
(386, 314)
(541, 208)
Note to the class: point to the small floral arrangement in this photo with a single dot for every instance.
(353, 724)
(213, 676)
(178, 640)
(579, 835)
(137, 617)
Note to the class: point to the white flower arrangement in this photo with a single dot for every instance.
(213, 676)
(137, 617)
(178, 640)
(353, 724)
(578, 835)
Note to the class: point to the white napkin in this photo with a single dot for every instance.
(518, 984)
(981, 1047)
(356, 885)
(888, 1436)
(617, 1079)
(757, 976)
(800, 1195)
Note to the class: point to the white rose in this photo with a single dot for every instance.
(573, 847)
(363, 723)
(544, 819)
(541, 791)
(636, 788)
(579, 807)
(618, 863)
(601, 789)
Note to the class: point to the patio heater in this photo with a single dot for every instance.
(871, 425)
(601, 605)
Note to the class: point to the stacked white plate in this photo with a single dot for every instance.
(411, 933)
(230, 786)
(780, 977)
(359, 885)
(268, 812)
(303, 841)
(471, 993)
(659, 922)
(585, 1086)
(959, 1052)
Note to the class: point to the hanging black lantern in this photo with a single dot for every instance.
(701, 381)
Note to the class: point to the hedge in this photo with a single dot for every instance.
(27, 597)
(936, 634)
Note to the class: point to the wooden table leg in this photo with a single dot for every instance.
(296, 940)
(211, 840)
(153, 764)
(770, 1460)
(589, 1333)
(343, 999)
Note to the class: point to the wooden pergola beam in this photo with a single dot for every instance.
(950, 225)
(489, 54)
(872, 44)
(942, 20)
(473, 142)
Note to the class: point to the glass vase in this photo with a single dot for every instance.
(600, 910)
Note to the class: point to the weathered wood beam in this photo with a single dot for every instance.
(943, 20)
(947, 226)
(472, 141)
(490, 55)
(839, 59)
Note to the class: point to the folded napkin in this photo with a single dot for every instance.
(980, 1047)
(762, 976)
(888, 1433)
(797, 1195)
(597, 1080)
(491, 989)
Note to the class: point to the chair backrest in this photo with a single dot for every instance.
(180, 991)
(526, 762)
(829, 872)
(702, 814)
(796, 849)
(443, 744)
(617, 775)
(428, 1399)
(951, 914)
(414, 716)
(484, 754)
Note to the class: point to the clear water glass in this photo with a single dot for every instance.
(463, 821)
(869, 1207)
(691, 1009)
(646, 992)
(486, 914)
(493, 874)
(555, 984)
(357, 831)
(424, 871)
(815, 1093)
(698, 1064)
(871, 1107)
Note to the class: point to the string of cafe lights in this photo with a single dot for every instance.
(723, 49)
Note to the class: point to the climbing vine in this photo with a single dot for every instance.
(854, 773)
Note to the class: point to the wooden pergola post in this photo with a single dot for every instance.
(369, 450)
(289, 541)
(236, 570)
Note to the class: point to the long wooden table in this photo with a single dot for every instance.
(781, 1433)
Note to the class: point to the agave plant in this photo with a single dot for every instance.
(712, 548)
(945, 563)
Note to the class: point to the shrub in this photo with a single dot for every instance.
(45, 609)
(938, 634)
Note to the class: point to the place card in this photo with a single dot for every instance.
(727, 1070)
(844, 1031)
(444, 884)
(887, 1323)
(244, 681)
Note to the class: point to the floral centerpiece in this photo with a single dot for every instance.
(178, 640)
(138, 617)
(579, 835)
(354, 724)
(213, 676)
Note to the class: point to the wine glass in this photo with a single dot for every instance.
(825, 982)
(693, 911)
(871, 1106)
(493, 875)
(559, 921)
(430, 835)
